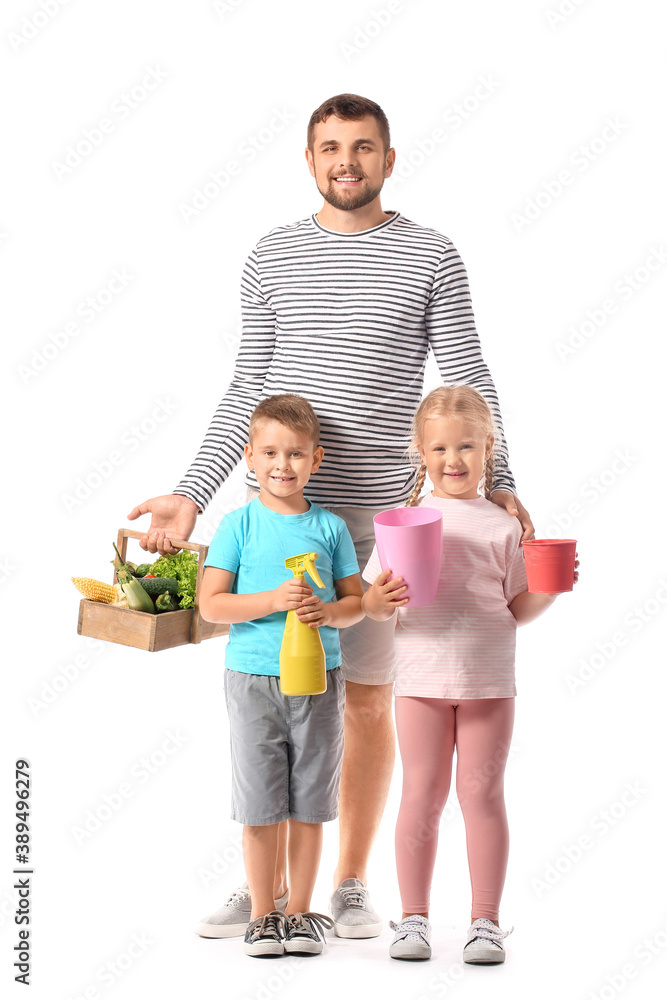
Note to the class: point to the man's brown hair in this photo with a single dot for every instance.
(290, 410)
(349, 107)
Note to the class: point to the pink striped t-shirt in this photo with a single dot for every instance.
(462, 645)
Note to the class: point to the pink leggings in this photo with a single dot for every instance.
(428, 730)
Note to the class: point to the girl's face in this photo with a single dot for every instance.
(454, 453)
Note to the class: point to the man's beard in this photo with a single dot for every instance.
(348, 201)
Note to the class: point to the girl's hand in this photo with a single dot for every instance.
(384, 596)
(313, 612)
(290, 594)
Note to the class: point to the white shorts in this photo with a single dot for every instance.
(367, 648)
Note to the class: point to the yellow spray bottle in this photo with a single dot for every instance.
(302, 658)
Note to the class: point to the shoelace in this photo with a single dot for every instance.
(238, 896)
(410, 928)
(354, 895)
(488, 931)
(270, 925)
(309, 924)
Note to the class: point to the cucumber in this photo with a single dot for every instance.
(143, 569)
(158, 584)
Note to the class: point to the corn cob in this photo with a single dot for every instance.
(94, 590)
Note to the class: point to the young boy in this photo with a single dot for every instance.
(286, 751)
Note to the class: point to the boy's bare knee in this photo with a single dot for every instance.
(257, 832)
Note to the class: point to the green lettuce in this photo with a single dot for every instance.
(183, 568)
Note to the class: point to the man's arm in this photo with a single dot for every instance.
(450, 326)
(174, 515)
(222, 447)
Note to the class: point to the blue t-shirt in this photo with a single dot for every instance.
(253, 542)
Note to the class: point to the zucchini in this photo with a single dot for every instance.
(137, 598)
(158, 584)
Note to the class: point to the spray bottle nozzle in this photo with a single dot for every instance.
(305, 563)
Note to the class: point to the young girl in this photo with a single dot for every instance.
(455, 671)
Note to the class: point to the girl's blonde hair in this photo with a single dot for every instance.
(459, 402)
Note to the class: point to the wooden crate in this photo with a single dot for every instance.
(140, 629)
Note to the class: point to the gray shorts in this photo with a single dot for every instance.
(286, 750)
(367, 648)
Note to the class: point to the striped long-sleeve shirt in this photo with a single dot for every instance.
(346, 320)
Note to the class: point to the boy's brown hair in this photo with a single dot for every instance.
(289, 409)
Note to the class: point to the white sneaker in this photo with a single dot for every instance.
(353, 915)
(232, 919)
(412, 939)
(484, 945)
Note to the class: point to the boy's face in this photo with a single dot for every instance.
(282, 459)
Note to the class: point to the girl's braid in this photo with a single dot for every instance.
(419, 483)
(488, 475)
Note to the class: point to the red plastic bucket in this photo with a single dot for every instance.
(550, 564)
(409, 542)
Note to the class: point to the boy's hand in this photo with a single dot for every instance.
(290, 594)
(314, 612)
(384, 596)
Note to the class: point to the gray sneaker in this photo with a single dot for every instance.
(265, 936)
(353, 915)
(232, 919)
(304, 933)
(412, 939)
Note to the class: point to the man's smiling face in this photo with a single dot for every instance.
(348, 161)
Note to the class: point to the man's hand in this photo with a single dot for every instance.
(173, 516)
(514, 506)
(290, 594)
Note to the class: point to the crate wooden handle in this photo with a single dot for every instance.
(201, 550)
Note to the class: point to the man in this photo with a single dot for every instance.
(342, 307)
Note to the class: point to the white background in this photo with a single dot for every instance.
(584, 430)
